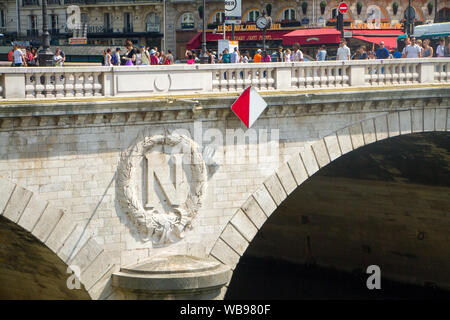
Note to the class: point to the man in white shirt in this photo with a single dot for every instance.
(413, 50)
(297, 55)
(234, 57)
(343, 52)
(440, 50)
(19, 58)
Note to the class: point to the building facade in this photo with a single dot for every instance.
(110, 22)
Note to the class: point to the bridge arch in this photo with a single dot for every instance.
(59, 239)
(251, 216)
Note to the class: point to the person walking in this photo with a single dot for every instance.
(245, 57)
(322, 54)
(18, 56)
(115, 57)
(154, 60)
(108, 62)
(226, 57)
(169, 58)
(266, 57)
(130, 56)
(145, 56)
(382, 52)
(257, 58)
(288, 55)
(440, 50)
(58, 59)
(427, 49)
(413, 50)
(280, 55)
(234, 56)
(343, 52)
(297, 54)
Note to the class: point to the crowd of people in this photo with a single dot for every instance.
(144, 55)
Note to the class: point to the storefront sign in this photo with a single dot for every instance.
(77, 40)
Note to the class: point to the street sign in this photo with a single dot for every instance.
(249, 106)
(348, 34)
(233, 11)
(77, 40)
(343, 7)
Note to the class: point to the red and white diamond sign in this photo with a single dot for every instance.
(249, 106)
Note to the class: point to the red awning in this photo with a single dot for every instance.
(312, 36)
(238, 36)
(389, 42)
(389, 37)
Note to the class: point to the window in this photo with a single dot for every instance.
(33, 22)
(334, 13)
(253, 15)
(2, 18)
(289, 14)
(187, 21)
(219, 18)
(84, 18)
(107, 21)
(53, 21)
(153, 23)
(127, 22)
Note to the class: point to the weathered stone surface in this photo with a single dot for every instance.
(86, 255)
(417, 120)
(334, 150)
(428, 119)
(32, 212)
(264, 200)
(441, 119)
(93, 273)
(47, 223)
(7, 189)
(298, 169)
(225, 254)
(286, 178)
(405, 122)
(74, 242)
(321, 153)
(244, 225)
(344, 140)
(393, 124)
(356, 135)
(17, 203)
(381, 128)
(234, 239)
(275, 189)
(254, 212)
(368, 128)
(309, 160)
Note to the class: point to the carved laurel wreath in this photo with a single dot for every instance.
(160, 228)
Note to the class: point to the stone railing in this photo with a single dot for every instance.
(54, 82)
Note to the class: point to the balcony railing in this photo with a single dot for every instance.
(153, 27)
(33, 33)
(53, 82)
(30, 3)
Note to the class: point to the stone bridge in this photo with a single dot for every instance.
(138, 182)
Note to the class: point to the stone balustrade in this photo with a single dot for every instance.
(57, 82)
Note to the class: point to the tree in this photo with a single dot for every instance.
(304, 7)
(359, 6)
(395, 8)
(430, 7)
(323, 5)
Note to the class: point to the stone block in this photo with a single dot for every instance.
(265, 200)
(356, 135)
(344, 140)
(7, 188)
(428, 119)
(321, 153)
(47, 222)
(96, 270)
(60, 233)
(381, 128)
(286, 178)
(103, 288)
(74, 243)
(225, 254)
(298, 169)
(417, 120)
(86, 254)
(254, 212)
(275, 189)
(332, 143)
(309, 160)
(405, 122)
(32, 212)
(244, 225)
(393, 124)
(17, 203)
(234, 239)
(368, 128)
(441, 119)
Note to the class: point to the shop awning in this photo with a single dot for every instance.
(238, 36)
(389, 37)
(312, 36)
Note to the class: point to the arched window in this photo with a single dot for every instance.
(153, 23)
(253, 15)
(187, 21)
(218, 18)
(289, 14)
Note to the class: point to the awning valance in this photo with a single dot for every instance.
(312, 36)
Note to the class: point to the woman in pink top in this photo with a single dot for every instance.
(266, 57)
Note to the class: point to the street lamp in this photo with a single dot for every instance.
(204, 58)
(45, 55)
